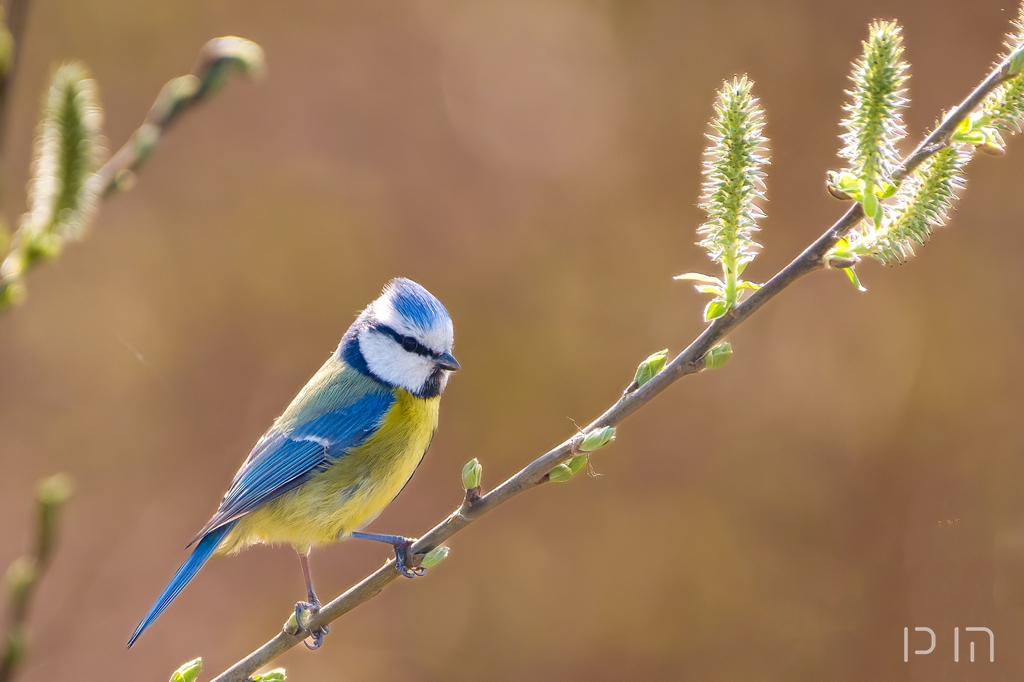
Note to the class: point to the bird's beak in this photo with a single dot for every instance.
(447, 361)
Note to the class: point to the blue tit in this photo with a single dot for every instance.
(345, 446)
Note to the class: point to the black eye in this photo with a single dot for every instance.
(410, 344)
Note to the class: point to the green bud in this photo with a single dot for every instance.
(41, 246)
(597, 439)
(992, 149)
(871, 205)
(718, 356)
(275, 675)
(577, 463)
(222, 55)
(12, 293)
(124, 180)
(21, 574)
(145, 139)
(188, 672)
(291, 625)
(715, 309)
(471, 474)
(650, 367)
(55, 490)
(435, 556)
(834, 188)
(560, 474)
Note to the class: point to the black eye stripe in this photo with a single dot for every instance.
(408, 343)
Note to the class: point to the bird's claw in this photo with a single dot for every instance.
(402, 561)
(303, 610)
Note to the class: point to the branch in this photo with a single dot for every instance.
(24, 573)
(690, 361)
(34, 243)
(217, 57)
(15, 13)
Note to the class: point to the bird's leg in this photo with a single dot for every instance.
(401, 545)
(311, 607)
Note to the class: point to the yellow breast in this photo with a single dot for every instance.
(353, 491)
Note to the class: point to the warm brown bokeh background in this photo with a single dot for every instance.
(856, 469)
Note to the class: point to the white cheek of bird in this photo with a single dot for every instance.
(392, 363)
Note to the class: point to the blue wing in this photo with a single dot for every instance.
(284, 460)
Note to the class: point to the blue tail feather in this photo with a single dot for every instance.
(200, 555)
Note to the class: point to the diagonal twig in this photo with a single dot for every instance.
(690, 361)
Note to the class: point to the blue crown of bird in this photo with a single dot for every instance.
(342, 450)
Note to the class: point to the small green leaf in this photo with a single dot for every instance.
(748, 285)
(718, 356)
(871, 205)
(1016, 62)
(697, 277)
(435, 556)
(20, 577)
(715, 309)
(854, 279)
(577, 463)
(275, 675)
(472, 473)
(650, 367)
(188, 672)
(560, 474)
(597, 438)
(713, 289)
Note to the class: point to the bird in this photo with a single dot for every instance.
(343, 449)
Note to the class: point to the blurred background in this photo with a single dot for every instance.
(856, 469)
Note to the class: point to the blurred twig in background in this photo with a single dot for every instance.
(217, 59)
(25, 572)
(67, 179)
(12, 27)
(733, 187)
(67, 182)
